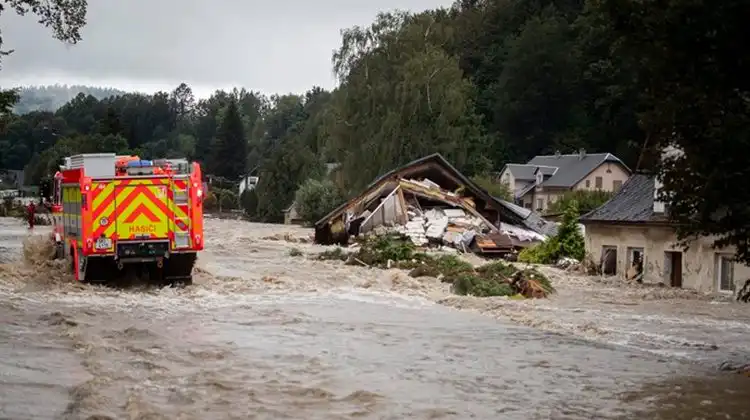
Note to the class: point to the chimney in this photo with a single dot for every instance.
(581, 153)
(658, 205)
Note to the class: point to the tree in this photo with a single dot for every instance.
(690, 68)
(568, 242)
(230, 146)
(64, 17)
(183, 100)
(402, 97)
(315, 199)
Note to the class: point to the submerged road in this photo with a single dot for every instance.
(263, 334)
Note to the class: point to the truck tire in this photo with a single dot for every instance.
(178, 269)
(77, 264)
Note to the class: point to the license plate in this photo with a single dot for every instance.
(103, 243)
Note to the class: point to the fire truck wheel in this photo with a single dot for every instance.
(77, 263)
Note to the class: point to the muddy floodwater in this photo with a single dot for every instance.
(264, 334)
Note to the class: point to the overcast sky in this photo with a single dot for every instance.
(272, 46)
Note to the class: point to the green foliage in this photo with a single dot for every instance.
(290, 160)
(404, 97)
(447, 266)
(220, 199)
(568, 242)
(230, 145)
(493, 279)
(315, 199)
(586, 200)
(493, 186)
(471, 284)
(378, 250)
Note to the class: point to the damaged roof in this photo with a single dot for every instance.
(633, 203)
(415, 167)
(563, 170)
(532, 219)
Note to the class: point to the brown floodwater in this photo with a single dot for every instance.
(264, 334)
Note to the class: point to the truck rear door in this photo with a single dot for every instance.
(142, 210)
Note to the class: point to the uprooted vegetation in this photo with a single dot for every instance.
(398, 251)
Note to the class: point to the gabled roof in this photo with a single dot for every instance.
(414, 167)
(573, 168)
(633, 203)
(524, 172)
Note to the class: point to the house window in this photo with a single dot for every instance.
(725, 273)
(540, 203)
(635, 264)
(616, 185)
(527, 205)
(599, 182)
(588, 183)
(609, 260)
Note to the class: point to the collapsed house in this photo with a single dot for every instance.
(433, 204)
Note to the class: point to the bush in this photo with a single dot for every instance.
(585, 201)
(210, 202)
(568, 242)
(315, 199)
(228, 199)
(474, 285)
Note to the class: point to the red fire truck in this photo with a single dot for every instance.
(120, 214)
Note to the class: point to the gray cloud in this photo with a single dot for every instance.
(271, 46)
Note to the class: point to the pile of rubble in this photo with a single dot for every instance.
(446, 226)
(433, 216)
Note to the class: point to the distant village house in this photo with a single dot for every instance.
(544, 179)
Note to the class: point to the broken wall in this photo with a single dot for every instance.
(699, 262)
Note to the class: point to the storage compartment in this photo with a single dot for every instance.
(94, 165)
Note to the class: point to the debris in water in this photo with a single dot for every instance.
(743, 369)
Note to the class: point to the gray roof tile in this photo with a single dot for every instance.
(633, 203)
(522, 172)
(572, 168)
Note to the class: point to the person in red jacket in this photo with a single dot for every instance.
(31, 210)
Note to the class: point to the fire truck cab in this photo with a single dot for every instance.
(115, 215)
